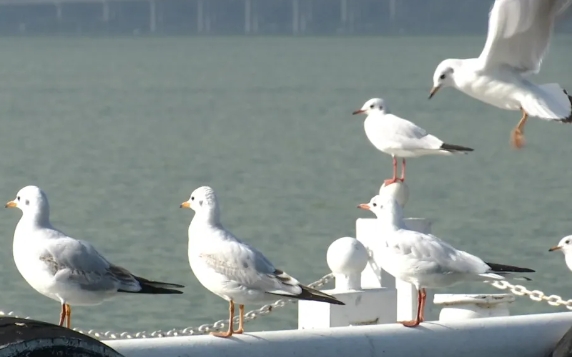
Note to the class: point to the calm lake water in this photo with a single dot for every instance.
(118, 132)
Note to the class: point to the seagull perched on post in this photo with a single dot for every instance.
(425, 260)
(401, 138)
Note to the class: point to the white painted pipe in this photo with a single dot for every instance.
(518, 336)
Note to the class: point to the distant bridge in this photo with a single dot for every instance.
(300, 12)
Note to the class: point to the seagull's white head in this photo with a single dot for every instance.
(386, 209)
(374, 105)
(444, 75)
(32, 201)
(203, 201)
(565, 245)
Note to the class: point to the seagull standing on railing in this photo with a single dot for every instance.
(425, 260)
(65, 269)
(401, 138)
(517, 41)
(232, 269)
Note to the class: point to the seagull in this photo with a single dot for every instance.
(65, 269)
(232, 269)
(425, 260)
(517, 41)
(401, 138)
(565, 246)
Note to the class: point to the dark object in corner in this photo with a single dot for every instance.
(564, 346)
(32, 338)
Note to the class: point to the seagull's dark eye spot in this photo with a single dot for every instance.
(380, 107)
(567, 242)
(27, 202)
(375, 205)
(18, 198)
(371, 106)
(192, 198)
(200, 202)
(442, 77)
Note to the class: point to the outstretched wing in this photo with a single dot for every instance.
(519, 33)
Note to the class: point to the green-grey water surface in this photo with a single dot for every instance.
(118, 132)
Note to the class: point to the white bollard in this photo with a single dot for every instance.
(472, 306)
(347, 258)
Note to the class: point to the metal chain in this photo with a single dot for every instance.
(534, 295)
(189, 331)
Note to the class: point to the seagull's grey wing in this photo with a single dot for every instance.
(428, 253)
(245, 265)
(76, 261)
(408, 135)
(519, 33)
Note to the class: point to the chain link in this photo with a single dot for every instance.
(189, 331)
(534, 295)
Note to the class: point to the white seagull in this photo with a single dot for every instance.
(517, 41)
(565, 246)
(65, 269)
(425, 260)
(399, 137)
(232, 269)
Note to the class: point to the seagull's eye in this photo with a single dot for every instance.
(18, 198)
(374, 205)
(192, 198)
(567, 242)
(372, 106)
(442, 77)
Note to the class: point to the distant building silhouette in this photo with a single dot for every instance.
(230, 17)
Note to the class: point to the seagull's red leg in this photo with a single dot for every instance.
(68, 315)
(423, 301)
(228, 333)
(240, 320)
(413, 323)
(403, 170)
(517, 135)
(394, 178)
(62, 314)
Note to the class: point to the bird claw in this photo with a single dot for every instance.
(410, 323)
(392, 180)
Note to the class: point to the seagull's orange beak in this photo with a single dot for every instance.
(185, 204)
(433, 91)
(11, 204)
(364, 206)
(554, 248)
(359, 111)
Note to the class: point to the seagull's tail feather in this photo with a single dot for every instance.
(313, 295)
(455, 148)
(154, 287)
(499, 268)
(550, 102)
(501, 271)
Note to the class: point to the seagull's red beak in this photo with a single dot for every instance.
(364, 206)
(359, 111)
